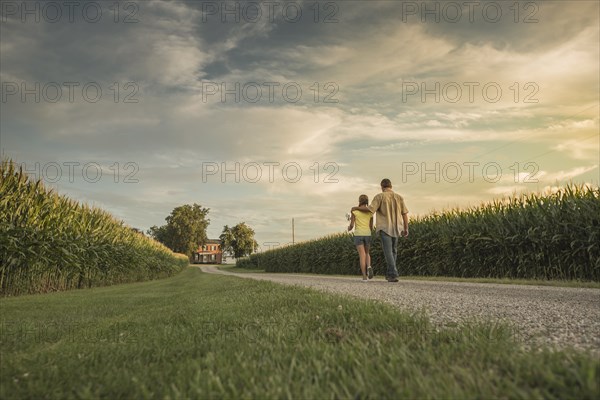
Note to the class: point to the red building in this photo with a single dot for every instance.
(209, 253)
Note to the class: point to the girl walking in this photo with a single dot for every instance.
(362, 236)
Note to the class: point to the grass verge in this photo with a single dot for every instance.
(502, 281)
(506, 281)
(199, 335)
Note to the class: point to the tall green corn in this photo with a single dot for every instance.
(552, 236)
(50, 242)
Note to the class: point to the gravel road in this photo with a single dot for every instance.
(553, 315)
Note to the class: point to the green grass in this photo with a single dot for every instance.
(198, 335)
(502, 281)
(506, 281)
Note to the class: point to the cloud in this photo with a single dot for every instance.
(368, 133)
(586, 149)
(507, 190)
(561, 176)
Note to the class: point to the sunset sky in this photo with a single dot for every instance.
(506, 96)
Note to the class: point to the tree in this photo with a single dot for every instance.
(185, 229)
(227, 240)
(238, 240)
(158, 233)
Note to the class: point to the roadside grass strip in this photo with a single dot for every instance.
(501, 281)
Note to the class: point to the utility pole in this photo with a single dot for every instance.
(293, 233)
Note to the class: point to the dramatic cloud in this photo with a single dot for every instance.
(282, 115)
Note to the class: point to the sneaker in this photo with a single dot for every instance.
(364, 280)
(370, 272)
(392, 280)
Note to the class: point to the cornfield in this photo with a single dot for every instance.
(533, 236)
(49, 242)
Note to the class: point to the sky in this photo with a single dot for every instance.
(268, 111)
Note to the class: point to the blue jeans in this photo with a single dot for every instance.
(390, 244)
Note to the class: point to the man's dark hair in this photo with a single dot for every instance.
(386, 183)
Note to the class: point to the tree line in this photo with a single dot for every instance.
(185, 231)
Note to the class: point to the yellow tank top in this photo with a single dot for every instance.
(361, 223)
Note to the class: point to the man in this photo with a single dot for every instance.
(389, 208)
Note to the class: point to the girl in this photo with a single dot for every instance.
(362, 236)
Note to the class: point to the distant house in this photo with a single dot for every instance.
(209, 253)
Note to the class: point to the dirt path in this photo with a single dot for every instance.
(552, 315)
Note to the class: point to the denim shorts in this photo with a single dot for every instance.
(365, 240)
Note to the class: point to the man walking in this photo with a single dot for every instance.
(389, 208)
